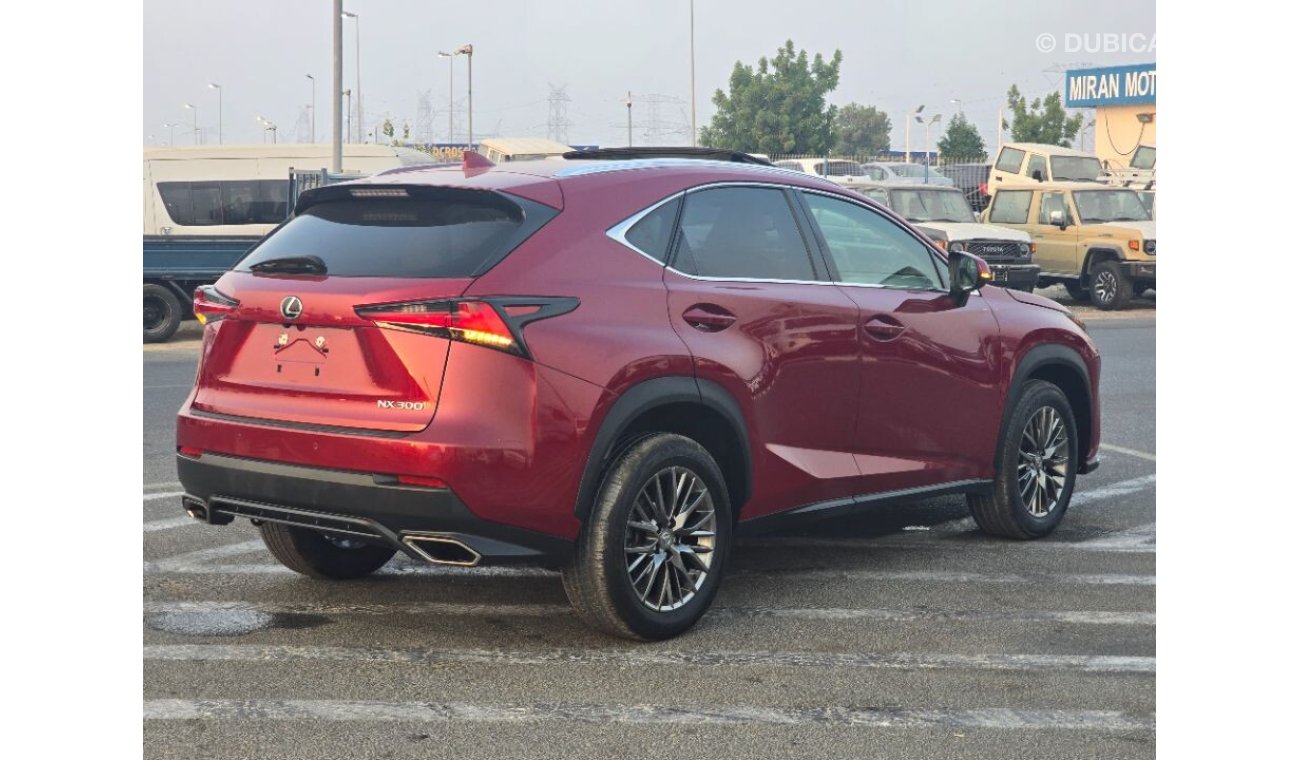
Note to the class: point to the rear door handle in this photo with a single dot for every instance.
(708, 317)
(883, 328)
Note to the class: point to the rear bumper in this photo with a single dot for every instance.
(353, 504)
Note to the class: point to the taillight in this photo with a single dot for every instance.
(211, 305)
(984, 188)
(476, 322)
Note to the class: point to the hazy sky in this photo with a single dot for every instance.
(897, 55)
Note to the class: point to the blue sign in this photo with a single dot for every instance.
(1113, 86)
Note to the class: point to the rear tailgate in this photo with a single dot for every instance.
(288, 345)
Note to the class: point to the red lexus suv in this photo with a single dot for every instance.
(613, 367)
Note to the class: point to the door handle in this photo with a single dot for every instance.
(883, 328)
(708, 317)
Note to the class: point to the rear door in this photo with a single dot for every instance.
(754, 306)
(344, 316)
(928, 412)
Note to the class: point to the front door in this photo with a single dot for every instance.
(754, 306)
(1056, 249)
(928, 410)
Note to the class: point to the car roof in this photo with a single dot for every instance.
(1050, 150)
(1031, 185)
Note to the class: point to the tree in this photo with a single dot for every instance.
(778, 107)
(388, 128)
(1042, 121)
(861, 130)
(961, 143)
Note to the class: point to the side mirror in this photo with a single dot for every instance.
(1057, 219)
(966, 274)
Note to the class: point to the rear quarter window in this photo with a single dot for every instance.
(440, 234)
(1010, 207)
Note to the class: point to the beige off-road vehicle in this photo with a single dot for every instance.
(1097, 240)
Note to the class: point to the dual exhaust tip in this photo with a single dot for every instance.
(438, 549)
(441, 550)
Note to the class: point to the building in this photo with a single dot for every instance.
(1124, 98)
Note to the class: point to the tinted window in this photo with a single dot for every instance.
(744, 232)
(653, 234)
(1036, 164)
(1075, 168)
(1053, 202)
(1010, 207)
(453, 234)
(1009, 160)
(869, 249)
(1144, 158)
(205, 204)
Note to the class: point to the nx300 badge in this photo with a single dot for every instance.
(413, 406)
(291, 307)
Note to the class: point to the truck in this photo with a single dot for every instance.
(206, 206)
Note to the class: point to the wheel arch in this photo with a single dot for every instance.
(698, 409)
(1063, 367)
(1099, 253)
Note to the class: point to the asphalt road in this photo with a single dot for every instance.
(898, 633)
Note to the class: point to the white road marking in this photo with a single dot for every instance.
(1130, 452)
(1122, 488)
(157, 486)
(1139, 539)
(650, 657)
(921, 576)
(195, 559)
(169, 523)
(167, 495)
(466, 712)
(1084, 617)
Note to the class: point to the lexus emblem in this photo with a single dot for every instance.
(291, 307)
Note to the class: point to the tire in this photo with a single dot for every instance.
(1008, 512)
(162, 313)
(1077, 290)
(1109, 287)
(608, 586)
(314, 555)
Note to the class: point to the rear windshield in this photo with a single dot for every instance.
(454, 234)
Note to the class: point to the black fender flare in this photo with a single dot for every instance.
(643, 397)
(1043, 355)
(1096, 252)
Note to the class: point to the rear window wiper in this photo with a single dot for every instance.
(291, 265)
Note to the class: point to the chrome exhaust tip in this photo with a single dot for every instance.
(441, 550)
(195, 508)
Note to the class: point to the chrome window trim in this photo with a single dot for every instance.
(618, 232)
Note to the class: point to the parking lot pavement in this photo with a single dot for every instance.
(897, 633)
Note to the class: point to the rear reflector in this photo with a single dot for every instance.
(416, 480)
(211, 305)
(474, 322)
(189, 451)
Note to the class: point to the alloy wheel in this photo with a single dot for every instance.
(1105, 287)
(670, 538)
(1044, 461)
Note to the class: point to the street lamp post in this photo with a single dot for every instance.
(468, 52)
(268, 126)
(195, 111)
(451, 85)
(171, 137)
(960, 109)
(348, 94)
(907, 132)
(933, 120)
(628, 103)
(313, 108)
(220, 135)
(361, 119)
(694, 133)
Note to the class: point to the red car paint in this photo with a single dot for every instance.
(843, 391)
